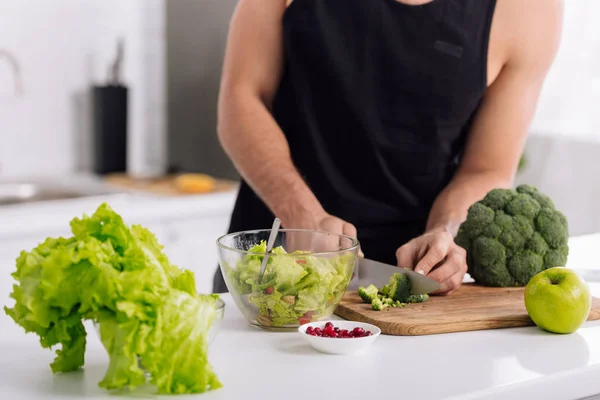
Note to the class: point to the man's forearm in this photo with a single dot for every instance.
(259, 150)
(450, 208)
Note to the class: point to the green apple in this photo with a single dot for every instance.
(558, 300)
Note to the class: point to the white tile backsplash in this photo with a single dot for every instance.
(63, 48)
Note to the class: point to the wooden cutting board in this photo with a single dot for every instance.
(470, 308)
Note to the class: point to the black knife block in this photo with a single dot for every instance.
(109, 129)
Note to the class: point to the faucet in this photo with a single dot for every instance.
(12, 61)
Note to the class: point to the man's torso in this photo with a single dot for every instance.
(377, 97)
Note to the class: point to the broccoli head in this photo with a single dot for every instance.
(367, 294)
(399, 287)
(511, 235)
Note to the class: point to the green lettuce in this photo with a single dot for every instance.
(152, 322)
(296, 287)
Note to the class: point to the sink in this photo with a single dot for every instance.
(12, 193)
(16, 193)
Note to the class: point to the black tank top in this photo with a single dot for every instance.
(376, 100)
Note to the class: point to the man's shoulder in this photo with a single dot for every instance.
(530, 30)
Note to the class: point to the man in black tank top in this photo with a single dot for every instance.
(381, 119)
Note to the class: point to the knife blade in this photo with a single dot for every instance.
(378, 274)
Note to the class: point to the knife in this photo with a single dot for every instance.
(379, 274)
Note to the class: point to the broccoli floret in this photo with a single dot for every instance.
(367, 294)
(511, 235)
(480, 216)
(523, 265)
(399, 287)
(384, 290)
(417, 298)
(497, 199)
(397, 293)
(556, 257)
(537, 244)
(378, 305)
(553, 227)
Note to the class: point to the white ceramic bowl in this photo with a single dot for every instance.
(340, 346)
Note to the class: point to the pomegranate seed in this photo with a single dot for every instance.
(331, 331)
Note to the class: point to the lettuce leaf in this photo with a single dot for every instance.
(145, 307)
(177, 348)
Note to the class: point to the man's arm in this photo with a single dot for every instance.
(247, 131)
(528, 33)
(499, 131)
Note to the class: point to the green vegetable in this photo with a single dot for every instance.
(399, 287)
(417, 298)
(396, 293)
(296, 287)
(513, 234)
(399, 304)
(378, 305)
(368, 293)
(388, 301)
(523, 162)
(150, 318)
(384, 290)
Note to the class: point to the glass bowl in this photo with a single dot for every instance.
(307, 274)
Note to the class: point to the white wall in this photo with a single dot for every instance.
(63, 47)
(567, 170)
(564, 147)
(570, 102)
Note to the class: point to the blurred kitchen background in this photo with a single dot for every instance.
(53, 52)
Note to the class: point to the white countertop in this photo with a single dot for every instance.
(511, 363)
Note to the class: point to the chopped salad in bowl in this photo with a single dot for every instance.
(306, 275)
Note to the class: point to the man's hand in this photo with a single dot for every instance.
(435, 254)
